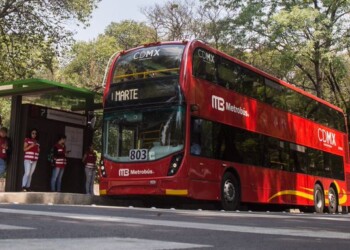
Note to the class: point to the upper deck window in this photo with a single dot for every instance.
(204, 65)
(157, 61)
(235, 77)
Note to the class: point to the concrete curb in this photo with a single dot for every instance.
(61, 198)
(45, 198)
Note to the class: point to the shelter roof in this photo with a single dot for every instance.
(51, 93)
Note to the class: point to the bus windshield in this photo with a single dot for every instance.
(143, 135)
(148, 62)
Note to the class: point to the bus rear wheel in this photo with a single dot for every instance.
(333, 201)
(230, 192)
(318, 199)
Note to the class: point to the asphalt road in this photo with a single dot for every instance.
(92, 227)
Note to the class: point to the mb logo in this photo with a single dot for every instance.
(218, 103)
(124, 172)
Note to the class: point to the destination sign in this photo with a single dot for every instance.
(151, 90)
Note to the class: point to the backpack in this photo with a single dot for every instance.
(50, 157)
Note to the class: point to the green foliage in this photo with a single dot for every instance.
(129, 34)
(300, 41)
(5, 110)
(173, 19)
(88, 62)
(32, 32)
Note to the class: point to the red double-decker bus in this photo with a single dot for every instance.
(183, 119)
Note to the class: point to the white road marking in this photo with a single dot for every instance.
(94, 243)
(10, 227)
(240, 214)
(270, 216)
(190, 225)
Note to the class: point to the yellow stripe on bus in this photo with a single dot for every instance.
(293, 192)
(146, 73)
(176, 191)
(103, 192)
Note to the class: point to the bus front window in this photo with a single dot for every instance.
(148, 62)
(143, 135)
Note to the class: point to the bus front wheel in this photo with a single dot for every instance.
(318, 199)
(333, 201)
(230, 192)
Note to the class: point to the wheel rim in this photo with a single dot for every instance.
(229, 191)
(318, 199)
(332, 199)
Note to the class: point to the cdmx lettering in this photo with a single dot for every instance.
(206, 56)
(326, 137)
(145, 54)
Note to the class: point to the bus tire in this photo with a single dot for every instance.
(230, 192)
(333, 201)
(318, 199)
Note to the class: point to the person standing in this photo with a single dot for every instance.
(60, 162)
(9, 144)
(31, 156)
(89, 160)
(3, 149)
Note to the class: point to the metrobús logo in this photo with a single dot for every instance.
(129, 172)
(220, 104)
(326, 137)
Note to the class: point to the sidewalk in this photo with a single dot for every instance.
(46, 198)
(54, 198)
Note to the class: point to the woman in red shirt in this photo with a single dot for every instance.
(3, 149)
(89, 160)
(60, 161)
(31, 155)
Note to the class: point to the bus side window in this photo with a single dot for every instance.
(298, 158)
(315, 162)
(196, 135)
(202, 138)
(228, 74)
(277, 154)
(275, 94)
(250, 83)
(204, 65)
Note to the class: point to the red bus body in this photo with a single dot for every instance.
(200, 177)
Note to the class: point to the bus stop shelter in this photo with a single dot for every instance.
(71, 104)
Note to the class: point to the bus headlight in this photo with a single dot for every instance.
(102, 169)
(175, 164)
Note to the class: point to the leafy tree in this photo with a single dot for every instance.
(5, 104)
(129, 34)
(212, 28)
(173, 20)
(87, 63)
(31, 32)
(308, 36)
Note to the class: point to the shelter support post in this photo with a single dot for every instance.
(15, 125)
